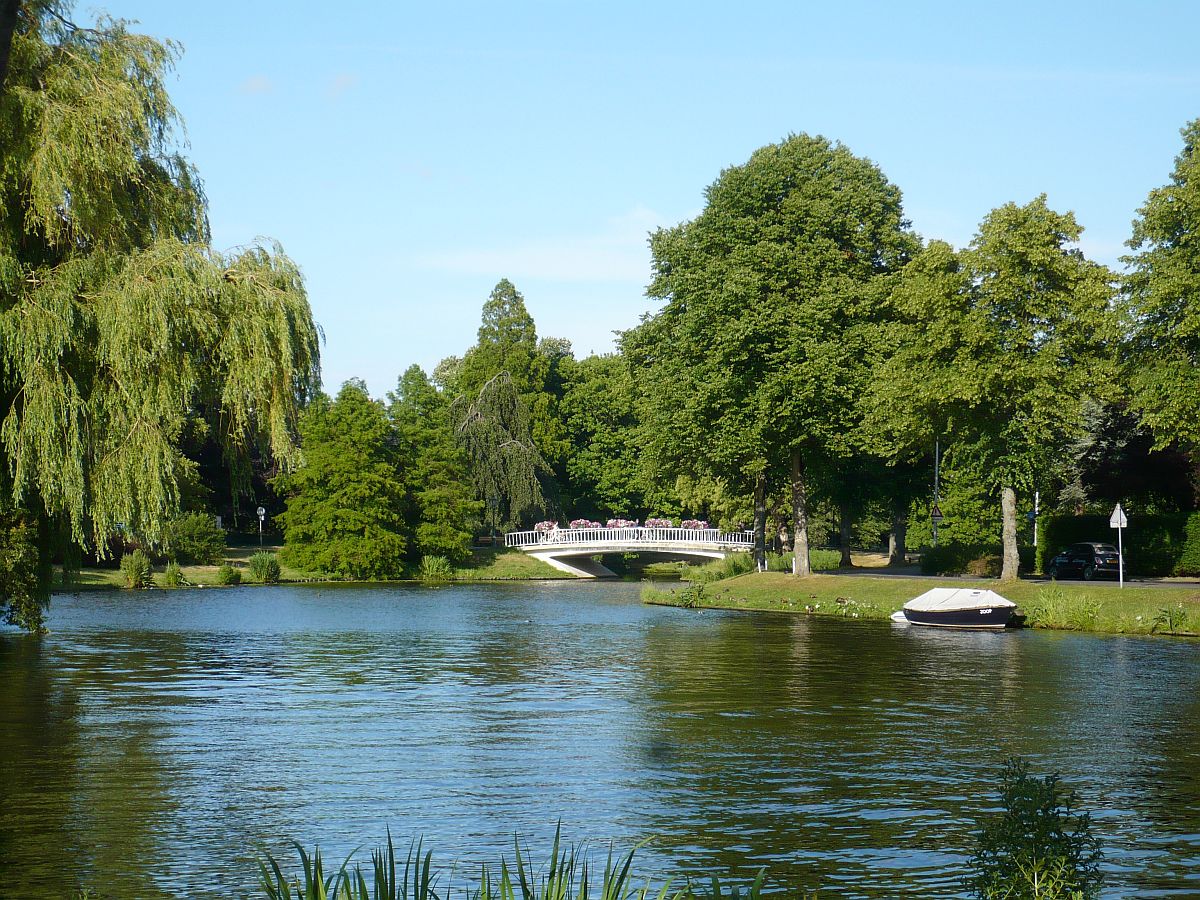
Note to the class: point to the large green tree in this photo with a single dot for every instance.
(1164, 303)
(998, 348)
(441, 508)
(753, 367)
(119, 324)
(346, 504)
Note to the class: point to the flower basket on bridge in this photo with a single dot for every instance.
(659, 523)
(622, 523)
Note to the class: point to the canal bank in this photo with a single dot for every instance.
(1063, 606)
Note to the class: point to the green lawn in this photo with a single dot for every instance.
(1062, 605)
(484, 565)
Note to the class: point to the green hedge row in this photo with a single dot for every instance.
(983, 560)
(1154, 544)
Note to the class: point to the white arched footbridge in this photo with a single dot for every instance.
(571, 549)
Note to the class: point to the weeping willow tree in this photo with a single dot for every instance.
(508, 471)
(120, 326)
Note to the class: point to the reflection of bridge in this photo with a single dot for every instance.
(559, 545)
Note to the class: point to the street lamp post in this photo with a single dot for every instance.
(262, 514)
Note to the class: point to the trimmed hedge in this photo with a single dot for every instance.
(981, 560)
(1166, 544)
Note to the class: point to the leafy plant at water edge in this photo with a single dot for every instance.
(1170, 619)
(135, 570)
(227, 575)
(264, 567)
(692, 596)
(1036, 838)
(172, 575)
(435, 568)
(1054, 609)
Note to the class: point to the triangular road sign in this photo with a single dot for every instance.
(1118, 519)
(935, 514)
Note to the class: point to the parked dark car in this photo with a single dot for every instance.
(1087, 561)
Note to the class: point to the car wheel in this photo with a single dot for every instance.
(1089, 572)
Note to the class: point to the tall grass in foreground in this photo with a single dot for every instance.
(1037, 847)
(570, 874)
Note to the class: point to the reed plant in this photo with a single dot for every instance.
(571, 873)
(435, 568)
(135, 570)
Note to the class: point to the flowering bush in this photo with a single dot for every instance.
(545, 526)
(659, 523)
(584, 523)
(693, 523)
(622, 523)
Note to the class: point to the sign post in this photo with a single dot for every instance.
(262, 514)
(1119, 521)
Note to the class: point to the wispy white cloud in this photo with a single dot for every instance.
(341, 83)
(256, 84)
(615, 252)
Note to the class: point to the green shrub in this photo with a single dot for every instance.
(173, 575)
(819, 560)
(980, 560)
(227, 575)
(135, 570)
(1167, 544)
(264, 567)
(435, 568)
(1037, 838)
(195, 539)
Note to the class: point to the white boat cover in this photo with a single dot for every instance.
(949, 599)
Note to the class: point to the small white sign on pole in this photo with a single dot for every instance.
(1119, 521)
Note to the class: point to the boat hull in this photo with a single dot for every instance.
(983, 617)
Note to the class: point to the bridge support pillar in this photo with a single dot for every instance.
(579, 566)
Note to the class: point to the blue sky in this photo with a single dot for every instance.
(409, 156)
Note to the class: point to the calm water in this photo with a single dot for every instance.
(152, 741)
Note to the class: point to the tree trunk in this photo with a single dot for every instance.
(898, 539)
(844, 536)
(8, 24)
(801, 563)
(1012, 561)
(760, 522)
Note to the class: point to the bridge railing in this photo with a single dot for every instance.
(737, 540)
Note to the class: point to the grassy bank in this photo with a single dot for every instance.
(485, 564)
(1061, 605)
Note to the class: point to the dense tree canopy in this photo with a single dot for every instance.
(762, 348)
(441, 507)
(1164, 302)
(345, 509)
(1001, 345)
(120, 326)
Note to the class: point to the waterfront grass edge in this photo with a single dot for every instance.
(1053, 605)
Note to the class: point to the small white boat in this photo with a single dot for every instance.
(960, 608)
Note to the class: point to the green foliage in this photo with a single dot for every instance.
(135, 570)
(264, 567)
(1054, 608)
(172, 575)
(494, 429)
(345, 506)
(997, 348)
(1170, 619)
(228, 575)
(440, 508)
(772, 297)
(981, 560)
(24, 587)
(435, 568)
(120, 327)
(1163, 305)
(195, 539)
(732, 565)
(1166, 544)
(570, 873)
(1036, 835)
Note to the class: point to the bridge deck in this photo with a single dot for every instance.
(598, 540)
